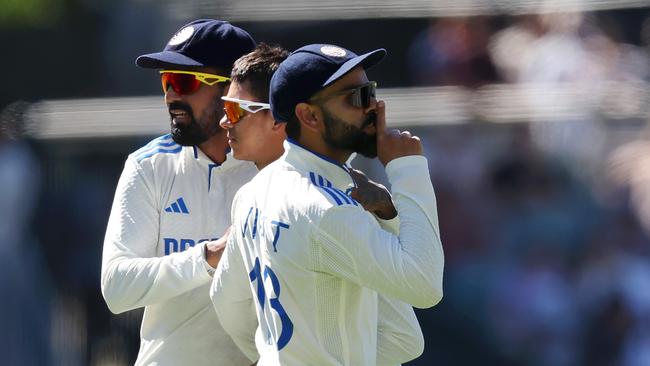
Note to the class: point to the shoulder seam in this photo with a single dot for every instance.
(324, 185)
(160, 145)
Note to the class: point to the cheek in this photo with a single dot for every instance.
(209, 116)
(357, 118)
(255, 137)
(350, 116)
(208, 105)
(217, 107)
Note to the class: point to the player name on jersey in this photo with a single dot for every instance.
(257, 224)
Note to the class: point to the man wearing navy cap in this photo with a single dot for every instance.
(308, 254)
(173, 201)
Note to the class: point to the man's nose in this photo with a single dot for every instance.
(171, 96)
(225, 122)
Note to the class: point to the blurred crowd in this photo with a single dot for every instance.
(536, 48)
(545, 225)
(544, 267)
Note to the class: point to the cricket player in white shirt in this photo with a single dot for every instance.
(319, 267)
(173, 199)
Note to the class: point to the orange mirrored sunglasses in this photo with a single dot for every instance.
(236, 108)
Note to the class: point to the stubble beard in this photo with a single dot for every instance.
(344, 136)
(192, 133)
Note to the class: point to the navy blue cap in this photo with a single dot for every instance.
(308, 70)
(203, 42)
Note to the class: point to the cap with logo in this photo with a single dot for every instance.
(203, 42)
(308, 70)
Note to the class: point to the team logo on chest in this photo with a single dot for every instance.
(178, 206)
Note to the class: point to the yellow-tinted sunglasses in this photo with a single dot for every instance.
(187, 82)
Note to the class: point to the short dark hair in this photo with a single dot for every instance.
(257, 68)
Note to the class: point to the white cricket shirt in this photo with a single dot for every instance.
(169, 199)
(313, 261)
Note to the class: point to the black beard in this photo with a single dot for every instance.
(190, 134)
(344, 136)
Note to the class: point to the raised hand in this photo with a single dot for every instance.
(373, 196)
(393, 143)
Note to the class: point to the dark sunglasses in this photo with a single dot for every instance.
(359, 96)
(187, 82)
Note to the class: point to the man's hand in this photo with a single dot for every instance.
(373, 196)
(214, 249)
(393, 144)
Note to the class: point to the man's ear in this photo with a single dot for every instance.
(308, 116)
(279, 127)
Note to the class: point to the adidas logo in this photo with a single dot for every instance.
(178, 207)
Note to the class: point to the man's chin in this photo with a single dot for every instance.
(184, 139)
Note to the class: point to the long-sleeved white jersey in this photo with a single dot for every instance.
(169, 199)
(315, 262)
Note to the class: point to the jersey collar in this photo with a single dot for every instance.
(311, 161)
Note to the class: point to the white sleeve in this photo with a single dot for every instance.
(233, 300)
(132, 275)
(390, 225)
(408, 266)
(399, 337)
